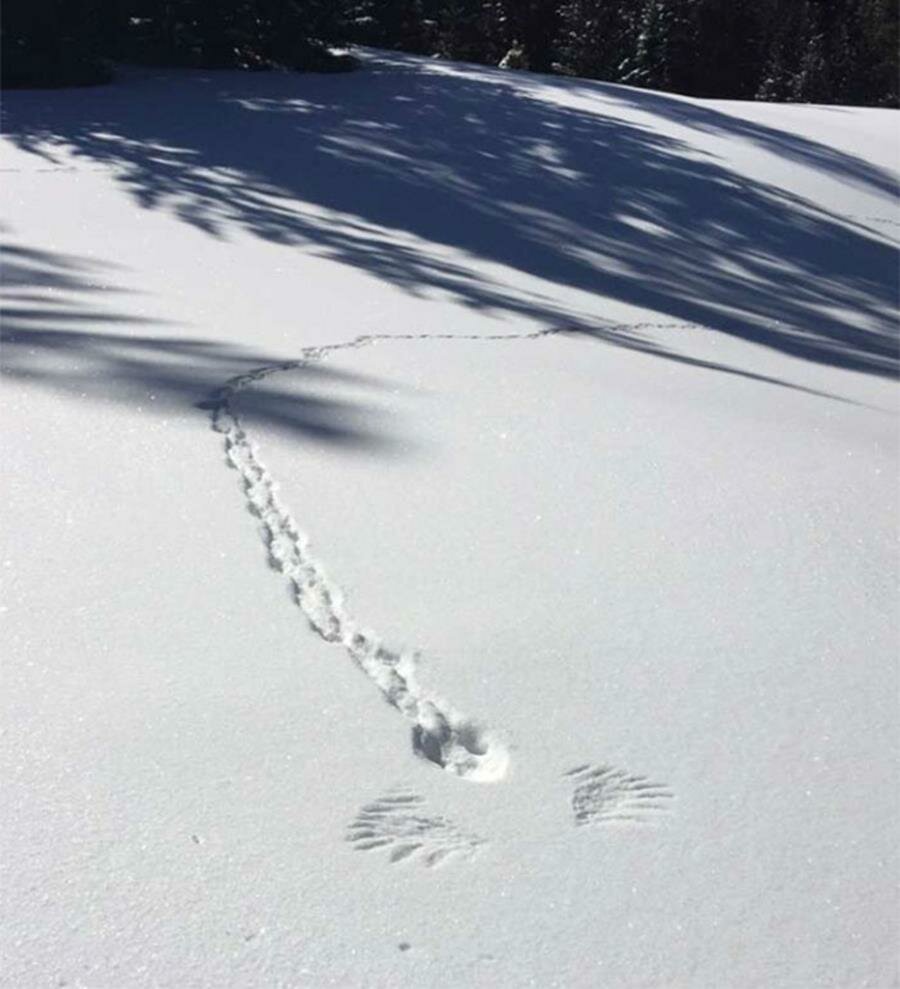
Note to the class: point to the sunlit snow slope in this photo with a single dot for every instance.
(449, 534)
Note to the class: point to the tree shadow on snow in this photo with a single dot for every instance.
(387, 168)
(57, 333)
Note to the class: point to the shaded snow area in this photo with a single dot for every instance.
(449, 535)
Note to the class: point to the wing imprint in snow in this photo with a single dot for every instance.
(604, 795)
(396, 823)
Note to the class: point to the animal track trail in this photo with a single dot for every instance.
(604, 795)
(440, 733)
(396, 823)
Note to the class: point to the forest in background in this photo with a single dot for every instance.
(820, 51)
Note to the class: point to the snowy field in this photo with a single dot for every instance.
(449, 535)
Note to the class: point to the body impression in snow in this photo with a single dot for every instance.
(440, 733)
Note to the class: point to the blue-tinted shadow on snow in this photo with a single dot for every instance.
(59, 333)
(386, 168)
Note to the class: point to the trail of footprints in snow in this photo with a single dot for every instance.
(396, 823)
(439, 732)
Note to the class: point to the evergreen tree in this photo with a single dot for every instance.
(470, 30)
(821, 50)
(596, 37)
(730, 48)
(53, 42)
(533, 24)
(665, 50)
(401, 24)
(795, 70)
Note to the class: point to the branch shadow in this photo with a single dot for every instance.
(388, 168)
(57, 333)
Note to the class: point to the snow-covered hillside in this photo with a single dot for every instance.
(450, 534)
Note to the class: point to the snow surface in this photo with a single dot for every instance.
(450, 534)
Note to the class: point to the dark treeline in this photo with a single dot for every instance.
(827, 51)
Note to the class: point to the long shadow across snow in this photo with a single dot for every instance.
(380, 169)
(58, 334)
